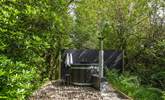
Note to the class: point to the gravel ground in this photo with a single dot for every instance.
(56, 91)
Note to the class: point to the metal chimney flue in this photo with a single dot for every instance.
(101, 58)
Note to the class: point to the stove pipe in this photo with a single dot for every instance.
(101, 58)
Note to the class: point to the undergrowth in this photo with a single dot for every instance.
(130, 85)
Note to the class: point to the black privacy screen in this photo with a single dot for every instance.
(112, 58)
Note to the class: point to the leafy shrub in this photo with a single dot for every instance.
(17, 80)
(163, 96)
(130, 85)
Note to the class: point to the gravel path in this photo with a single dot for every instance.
(56, 91)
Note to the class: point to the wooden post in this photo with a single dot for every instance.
(60, 64)
(60, 48)
(123, 61)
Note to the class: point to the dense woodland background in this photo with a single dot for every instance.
(34, 32)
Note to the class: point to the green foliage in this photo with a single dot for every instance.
(32, 34)
(17, 80)
(163, 95)
(131, 85)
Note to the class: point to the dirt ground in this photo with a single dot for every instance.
(56, 91)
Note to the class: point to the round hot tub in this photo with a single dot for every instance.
(81, 74)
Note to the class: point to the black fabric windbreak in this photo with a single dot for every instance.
(112, 58)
